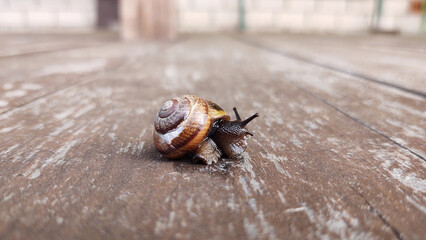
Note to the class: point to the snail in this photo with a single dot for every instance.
(190, 125)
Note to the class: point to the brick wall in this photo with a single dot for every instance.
(36, 15)
(295, 15)
(222, 15)
(310, 15)
(205, 15)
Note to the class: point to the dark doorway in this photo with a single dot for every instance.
(107, 14)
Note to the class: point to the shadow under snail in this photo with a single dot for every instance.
(190, 125)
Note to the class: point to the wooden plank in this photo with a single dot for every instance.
(28, 44)
(385, 62)
(392, 113)
(81, 163)
(26, 78)
(11, 40)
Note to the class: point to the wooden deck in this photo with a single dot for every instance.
(338, 151)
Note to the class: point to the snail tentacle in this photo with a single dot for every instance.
(236, 114)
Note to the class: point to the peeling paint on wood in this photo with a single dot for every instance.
(79, 162)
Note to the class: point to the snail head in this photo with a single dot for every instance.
(231, 136)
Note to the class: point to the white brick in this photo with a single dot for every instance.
(250, 4)
(22, 5)
(194, 21)
(387, 23)
(42, 19)
(225, 21)
(360, 7)
(289, 21)
(207, 5)
(76, 20)
(395, 8)
(301, 6)
(4, 4)
(83, 5)
(352, 23)
(12, 19)
(317, 22)
(409, 24)
(182, 5)
(54, 5)
(330, 6)
(259, 21)
(230, 5)
(265, 5)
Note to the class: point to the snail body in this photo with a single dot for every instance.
(190, 125)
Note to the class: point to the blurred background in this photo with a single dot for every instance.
(135, 19)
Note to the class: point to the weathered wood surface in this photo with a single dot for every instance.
(30, 44)
(25, 78)
(402, 114)
(397, 61)
(80, 163)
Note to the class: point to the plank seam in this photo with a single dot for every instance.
(58, 90)
(330, 67)
(93, 77)
(394, 230)
(343, 112)
(357, 120)
(54, 50)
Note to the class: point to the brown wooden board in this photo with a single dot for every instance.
(396, 62)
(16, 45)
(391, 112)
(11, 40)
(26, 78)
(80, 163)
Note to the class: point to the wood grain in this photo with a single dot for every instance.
(395, 62)
(80, 162)
(18, 45)
(26, 78)
(394, 113)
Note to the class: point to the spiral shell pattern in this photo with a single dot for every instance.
(181, 125)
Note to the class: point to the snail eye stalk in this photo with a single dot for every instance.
(245, 122)
(236, 114)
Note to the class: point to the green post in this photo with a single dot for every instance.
(241, 15)
(423, 20)
(379, 12)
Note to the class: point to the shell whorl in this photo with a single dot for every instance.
(171, 114)
(181, 125)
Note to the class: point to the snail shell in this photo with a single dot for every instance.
(183, 123)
